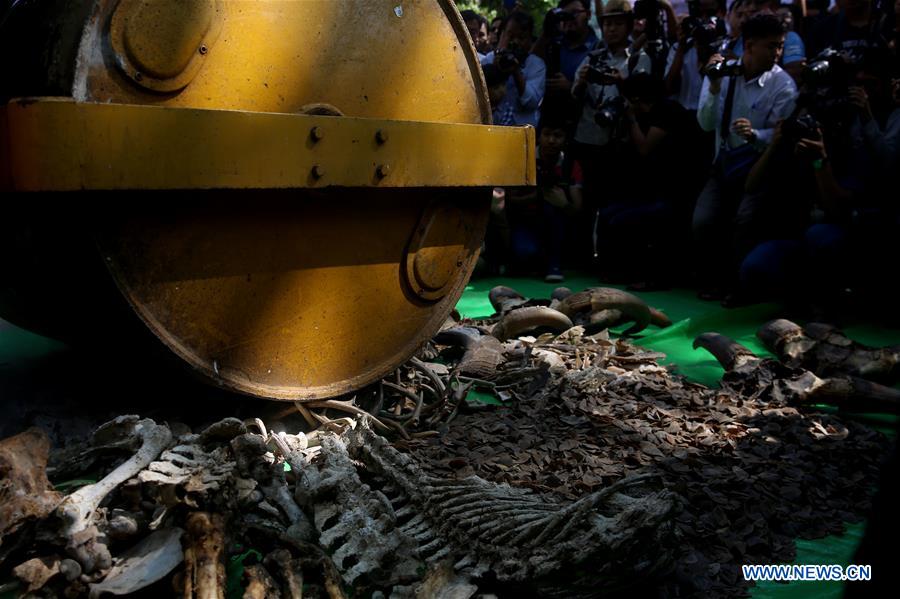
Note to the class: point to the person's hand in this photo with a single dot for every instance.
(613, 78)
(559, 83)
(743, 128)
(715, 85)
(503, 40)
(811, 149)
(508, 67)
(498, 201)
(714, 59)
(581, 75)
(639, 26)
(860, 99)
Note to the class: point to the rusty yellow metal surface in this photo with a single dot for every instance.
(303, 295)
(61, 145)
(386, 59)
(162, 44)
(280, 254)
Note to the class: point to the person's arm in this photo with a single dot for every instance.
(708, 109)
(671, 22)
(674, 64)
(872, 135)
(579, 86)
(531, 82)
(760, 169)
(834, 199)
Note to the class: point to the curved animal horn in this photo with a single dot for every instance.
(465, 337)
(849, 393)
(659, 319)
(729, 353)
(774, 333)
(574, 303)
(501, 295)
(604, 319)
(605, 298)
(528, 319)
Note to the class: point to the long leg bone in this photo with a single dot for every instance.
(205, 572)
(77, 510)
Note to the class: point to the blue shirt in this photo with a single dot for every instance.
(571, 59)
(525, 109)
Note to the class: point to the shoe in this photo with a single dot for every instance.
(554, 276)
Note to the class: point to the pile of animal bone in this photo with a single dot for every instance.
(602, 472)
(350, 516)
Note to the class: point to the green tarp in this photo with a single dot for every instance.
(690, 318)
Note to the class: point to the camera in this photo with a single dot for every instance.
(727, 68)
(553, 19)
(824, 93)
(610, 112)
(831, 68)
(651, 12)
(795, 128)
(507, 60)
(601, 74)
(707, 34)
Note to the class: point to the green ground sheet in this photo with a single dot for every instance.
(691, 317)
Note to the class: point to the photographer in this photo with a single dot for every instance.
(655, 31)
(478, 30)
(567, 39)
(538, 217)
(700, 36)
(742, 102)
(659, 199)
(526, 72)
(855, 28)
(597, 86)
(847, 166)
(793, 58)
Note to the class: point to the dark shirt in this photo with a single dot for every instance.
(570, 59)
(835, 31)
(667, 162)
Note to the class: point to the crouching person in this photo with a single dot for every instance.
(540, 217)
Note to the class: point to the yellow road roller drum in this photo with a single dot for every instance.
(291, 195)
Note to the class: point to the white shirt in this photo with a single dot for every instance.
(688, 94)
(764, 100)
(588, 131)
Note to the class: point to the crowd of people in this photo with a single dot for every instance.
(747, 149)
